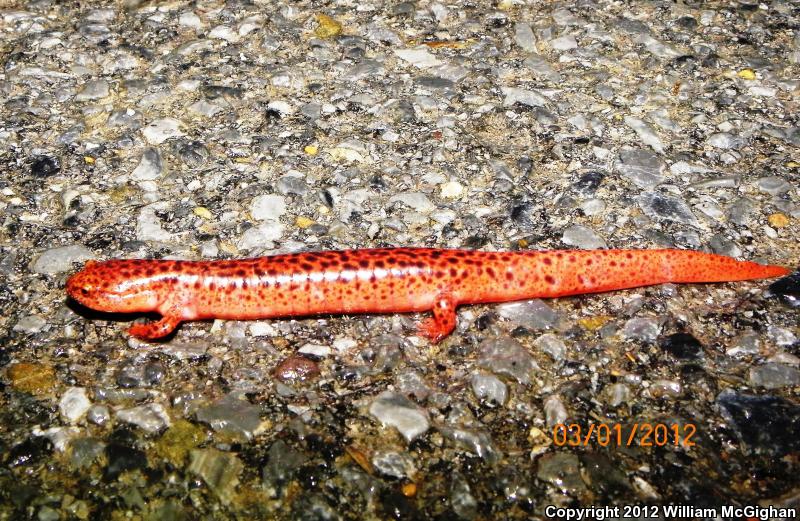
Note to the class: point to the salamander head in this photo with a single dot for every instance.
(109, 286)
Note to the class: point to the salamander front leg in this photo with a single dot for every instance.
(443, 321)
(157, 329)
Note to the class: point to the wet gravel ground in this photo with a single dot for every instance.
(223, 130)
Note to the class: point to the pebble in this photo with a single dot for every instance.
(61, 259)
(151, 418)
(93, 90)
(74, 403)
(532, 314)
(261, 236)
(296, 368)
(542, 68)
(748, 343)
(583, 237)
(394, 465)
(411, 383)
(725, 141)
(150, 167)
(643, 329)
(268, 207)
(98, 414)
(642, 167)
(395, 410)
(478, 442)
(506, 356)
(30, 325)
(666, 207)
(416, 200)
(788, 289)
(564, 43)
(514, 95)
(774, 376)
(219, 470)
(121, 459)
(554, 410)
(618, 394)
(562, 470)
(523, 36)
(283, 461)
(773, 185)
(552, 345)
(148, 225)
(45, 166)
(160, 130)
(489, 389)
(764, 424)
(419, 57)
(84, 451)
(452, 189)
(646, 133)
(231, 416)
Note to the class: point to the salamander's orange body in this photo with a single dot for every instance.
(385, 280)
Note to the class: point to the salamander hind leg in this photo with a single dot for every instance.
(155, 330)
(443, 321)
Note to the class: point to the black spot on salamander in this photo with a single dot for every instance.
(509, 275)
(548, 261)
(306, 266)
(549, 279)
(490, 272)
(454, 272)
(380, 264)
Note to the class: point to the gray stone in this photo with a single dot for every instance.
(646, 133)
(508, 357)
(30, 325)
(533, 314)
(232, 416)
(582, 237)
(151, 417)
(394, 464)
(268, 207)
(523, 36)
(642, 167)
(664, 207)
(514, 95)
(489, 389)
(150, 166)
(773, 185)
(552, 345)
(642, 329)
(219, 470)
(774, 376)
(93, 90)
(397, 411)
(74, 403)
(61, 259)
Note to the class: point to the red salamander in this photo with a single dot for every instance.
(384, 280)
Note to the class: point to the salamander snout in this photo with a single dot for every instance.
(107, 286)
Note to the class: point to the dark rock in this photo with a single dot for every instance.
(764, 424)
(122, 458)
(45, 166)
(788, 289)
(30, 451)
(682, 345)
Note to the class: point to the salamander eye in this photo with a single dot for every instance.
(85, 291)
